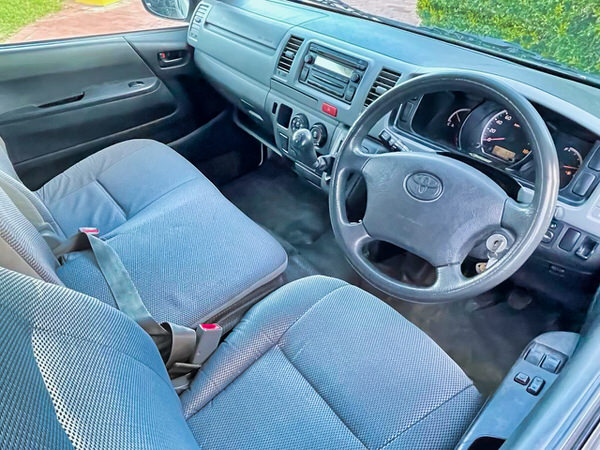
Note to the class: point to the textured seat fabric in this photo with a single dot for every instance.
(322, 364)
(76, 373)
(189, 251)
(317, 364)
(108, 188)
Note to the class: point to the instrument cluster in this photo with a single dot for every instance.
(487, 132)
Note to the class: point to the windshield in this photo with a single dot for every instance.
(563, 35)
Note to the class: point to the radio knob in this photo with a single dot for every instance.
(355, 77)
(309, 59)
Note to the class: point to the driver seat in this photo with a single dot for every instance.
(317, 364)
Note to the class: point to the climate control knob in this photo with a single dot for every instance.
(298, 122)
(319, 134)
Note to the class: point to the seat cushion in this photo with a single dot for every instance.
(111, 186)
(318, 364)
(189, 251)
(322, 364)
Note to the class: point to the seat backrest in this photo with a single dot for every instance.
(75, 372)
(22, 247)
(27, 230)
(6, 165)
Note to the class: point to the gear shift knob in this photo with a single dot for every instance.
(302, 143)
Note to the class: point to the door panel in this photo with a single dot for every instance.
(62, 101)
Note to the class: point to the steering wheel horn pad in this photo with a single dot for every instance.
(441, 230)
(436, 207)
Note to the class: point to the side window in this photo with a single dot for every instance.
(42, 20)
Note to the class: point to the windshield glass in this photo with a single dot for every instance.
(562, 35)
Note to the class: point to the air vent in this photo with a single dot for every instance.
(201, 12)
(289, 53)
(199, 16)
(385, 81)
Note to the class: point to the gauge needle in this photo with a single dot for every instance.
(571, 167)
(495, 139)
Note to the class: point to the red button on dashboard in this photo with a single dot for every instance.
(329, 109)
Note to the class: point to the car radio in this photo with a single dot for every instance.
(332, 72)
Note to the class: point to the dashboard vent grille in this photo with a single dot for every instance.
(201, 12)
(199, 16)
(385, 81)
(289, 53)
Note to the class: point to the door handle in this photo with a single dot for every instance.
(172, 58)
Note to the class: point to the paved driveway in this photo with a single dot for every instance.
(76, 19)
(401, 10)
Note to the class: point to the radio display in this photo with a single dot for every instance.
(333, 66)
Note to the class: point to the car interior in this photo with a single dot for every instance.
(280, 225)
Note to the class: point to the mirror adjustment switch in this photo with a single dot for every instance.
(536, 386)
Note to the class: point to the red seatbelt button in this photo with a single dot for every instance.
(329, 109)
(89, 230)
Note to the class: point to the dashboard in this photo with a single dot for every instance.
(288, 67)
(486, 132)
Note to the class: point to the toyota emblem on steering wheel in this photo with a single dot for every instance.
(424, 186)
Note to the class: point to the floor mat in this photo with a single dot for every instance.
(484, 340)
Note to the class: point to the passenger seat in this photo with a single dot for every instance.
(193, 256)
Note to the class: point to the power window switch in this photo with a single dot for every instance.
(536, 386)
(551, 363)
(522, 378)
(535, 356)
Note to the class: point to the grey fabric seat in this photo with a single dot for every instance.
(191, 253)
(317, 364)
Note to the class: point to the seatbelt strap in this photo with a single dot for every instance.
(176, 343)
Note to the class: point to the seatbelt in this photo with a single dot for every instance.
(177, 344)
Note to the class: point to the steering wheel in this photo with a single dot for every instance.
(437, 207)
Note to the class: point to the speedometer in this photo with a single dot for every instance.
(503, 139)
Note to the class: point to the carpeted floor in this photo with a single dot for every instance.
(484, 335)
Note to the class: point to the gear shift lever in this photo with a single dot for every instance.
(303, 145)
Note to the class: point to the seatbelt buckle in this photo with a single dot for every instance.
(208, 336)
(89, 230)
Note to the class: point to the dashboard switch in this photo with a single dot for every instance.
(568, 241)
(594, 163)
(548, 237)
(583, 184)
(587, 249)
(329, 109)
